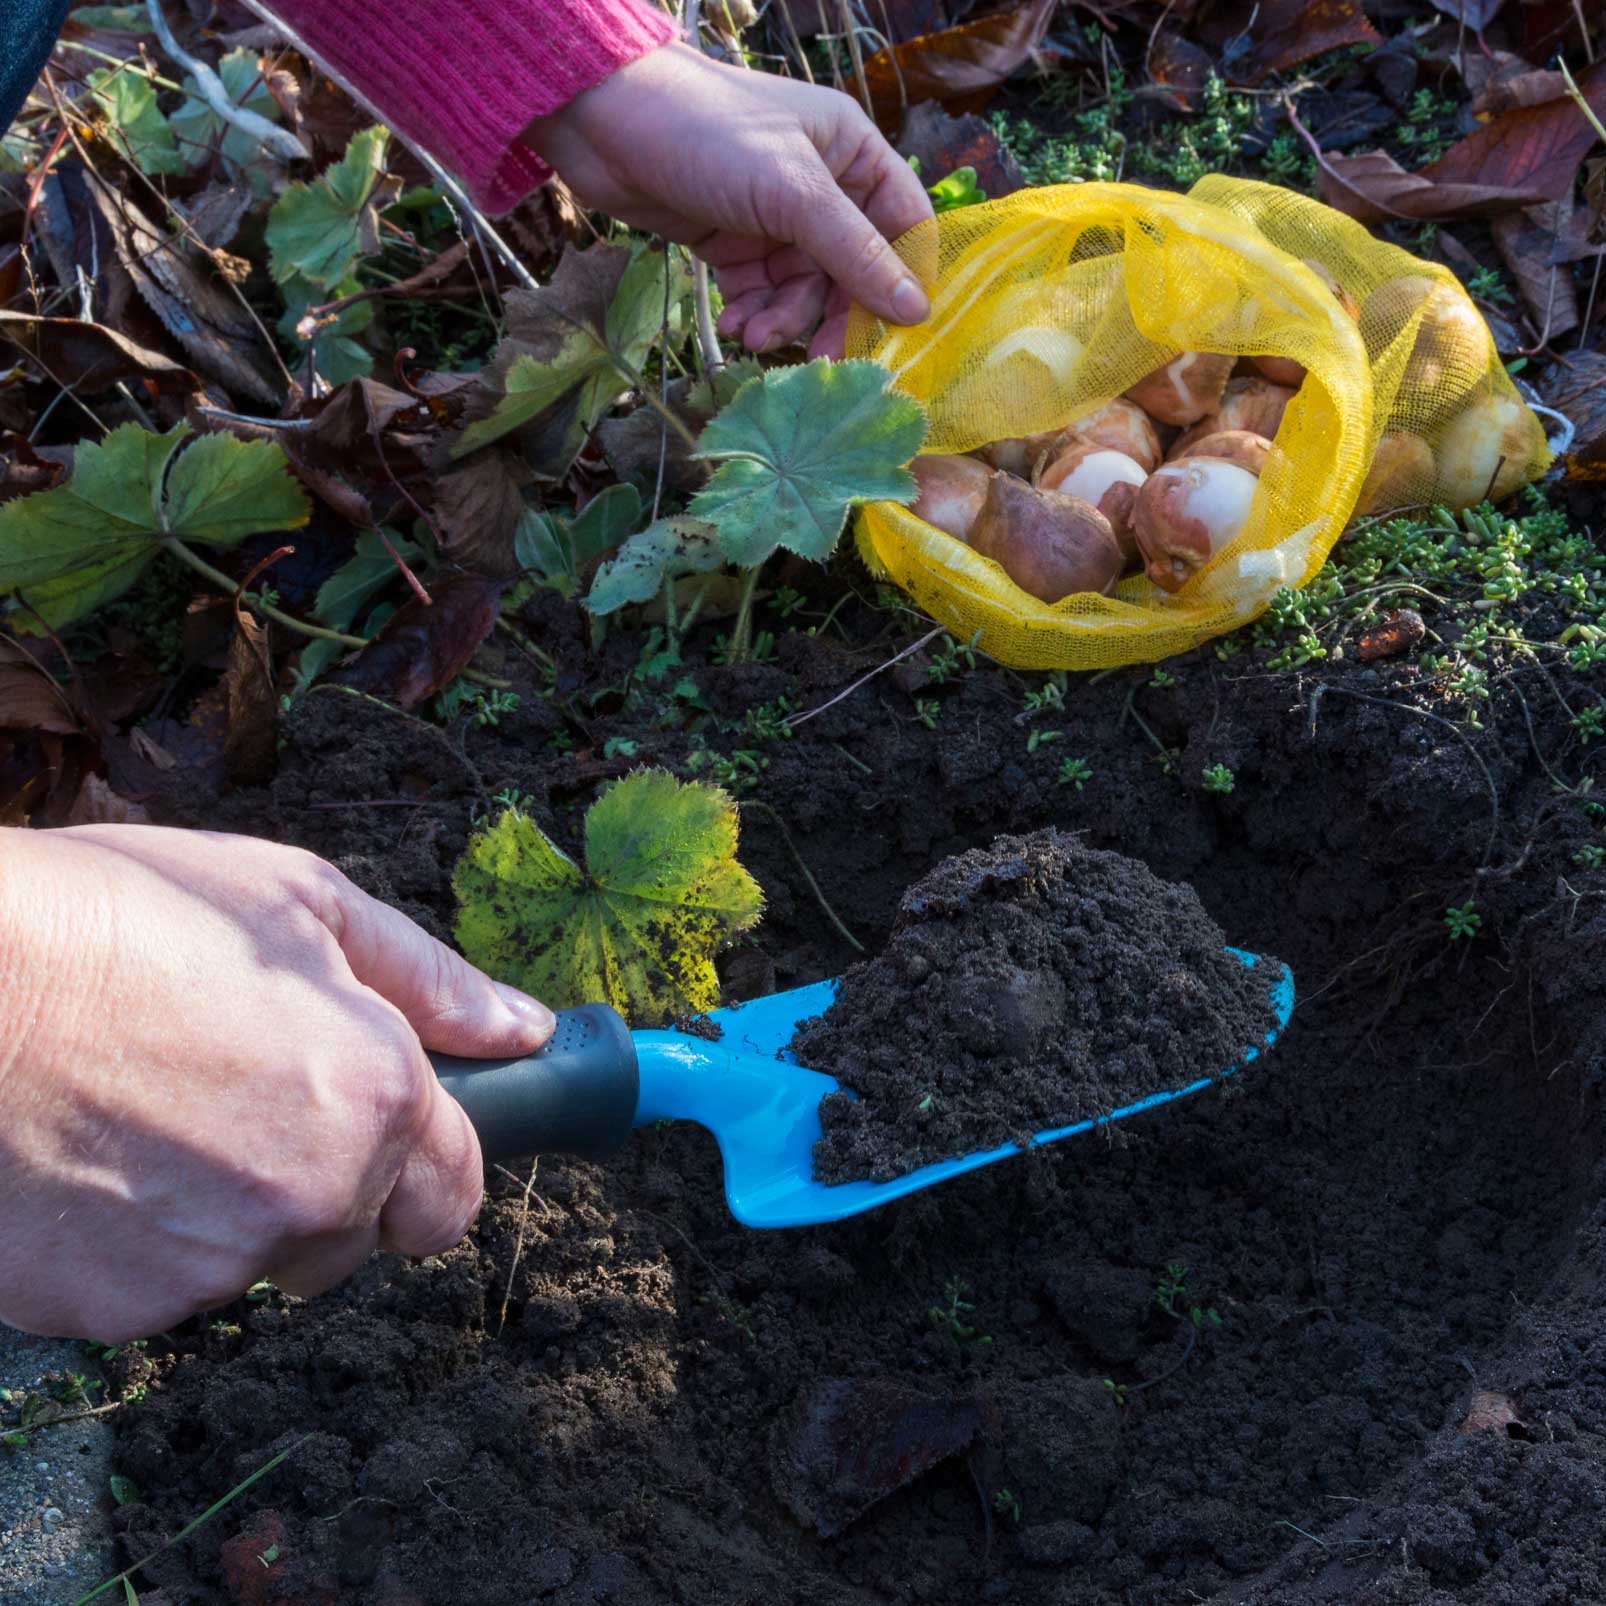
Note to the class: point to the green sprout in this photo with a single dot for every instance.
(1219, 779)
(1463, 921)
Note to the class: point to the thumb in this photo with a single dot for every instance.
(454, 1008)
(853, 253)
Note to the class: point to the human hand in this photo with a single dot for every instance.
(212, 1069)
(788, 191)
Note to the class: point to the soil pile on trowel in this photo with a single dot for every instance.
(1027, 985)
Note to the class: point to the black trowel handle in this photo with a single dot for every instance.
(575, 1096)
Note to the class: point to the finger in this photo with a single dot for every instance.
(734, 314)
(452, 1006)
(794, 308)
(740, 277)
(888, 189)
(440, 1187)
(830, 339)
(844, 243)
(319, 1264)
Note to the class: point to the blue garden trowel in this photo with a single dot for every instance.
(596, 1079)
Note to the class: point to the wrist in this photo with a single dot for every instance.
(563, 137)
(32, 955)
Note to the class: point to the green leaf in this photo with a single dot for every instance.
(197, 126)
(958, 189)
(540, 545)
(73, 548)
(340, 357)
(114, 19)
(798, 449)
(663, 551)
(318, 231)
(357, 581)
(138, 129)
(123, 1489)
(609, 517)
(638, 926)
(576, 341)
(709, 395)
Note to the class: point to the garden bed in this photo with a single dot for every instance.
(1396, 1215)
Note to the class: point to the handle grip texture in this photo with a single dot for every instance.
(577, 1095)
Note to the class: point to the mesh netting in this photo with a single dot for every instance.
(1051, 302)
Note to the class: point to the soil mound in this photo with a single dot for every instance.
(1027, 985)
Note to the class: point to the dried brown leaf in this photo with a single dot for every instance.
(1581, 395)
(1526, 242)
(476, 507)
(1178, 68)
(98, 804)
(250, 749)
(29, 699)
(421, 650)
(943, 143)
(962, 67)
(1287, 33)
(89, 357)
(1490, 1412)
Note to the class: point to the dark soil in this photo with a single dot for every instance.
(613, 1392)
(1028, 985)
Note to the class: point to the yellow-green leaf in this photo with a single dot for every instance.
(637, 926)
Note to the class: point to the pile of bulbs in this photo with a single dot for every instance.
(1075, 509)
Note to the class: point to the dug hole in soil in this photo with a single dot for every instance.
(612, 1392)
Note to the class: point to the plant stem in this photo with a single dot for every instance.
(171, 543)
(742, 630)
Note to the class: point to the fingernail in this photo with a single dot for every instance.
(529, 1012)
(909, 303)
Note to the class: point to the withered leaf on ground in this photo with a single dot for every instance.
(962, 67)
(1476, 14)
(30, 700)
(943, 143)
(98, 804)
(421, 650)
(219, 335)
(216, 213)
(1526, 242)
(1525, 156)
(1178, 68)
(23, 470)
(1286, 33)
(90, 357)
(849, 1442)
(476, 508)
(347, 425)
(250, 750)
(1581, 395)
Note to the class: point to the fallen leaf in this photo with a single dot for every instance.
(477, 507)
(22, 470)
(1526, 156)
(250, 750)
(1287, 33)
(1476, 14)
(422, 650)
(134, 125)
(98, 804)
(1581, 396)
(88, 357)
(1526, 242)
(29, 699)
(1398, 632)
(962, 67)
(346, 426)
(219, 334)
(661, 890)
(1490, 1412)
(1178, 68)
(943, 143)
(846, 1443)
(216, 213)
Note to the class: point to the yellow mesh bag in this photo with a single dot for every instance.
(1051, 302)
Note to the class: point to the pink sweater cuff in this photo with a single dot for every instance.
(464, 78)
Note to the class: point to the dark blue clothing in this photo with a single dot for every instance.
(28, 30)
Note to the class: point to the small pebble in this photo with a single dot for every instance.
(41, 1466)
(52, 1515)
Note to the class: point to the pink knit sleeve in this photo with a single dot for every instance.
(464, 78)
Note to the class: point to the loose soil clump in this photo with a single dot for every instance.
(1028, 985)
